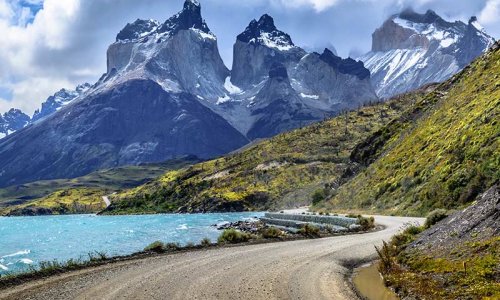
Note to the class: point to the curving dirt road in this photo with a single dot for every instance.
(306, 269)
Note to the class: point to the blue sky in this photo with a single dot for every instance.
(52, 44)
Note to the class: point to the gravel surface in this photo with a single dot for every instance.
(305, 269)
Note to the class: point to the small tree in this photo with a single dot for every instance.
(318, 196)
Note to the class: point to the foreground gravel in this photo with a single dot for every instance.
(305, 269)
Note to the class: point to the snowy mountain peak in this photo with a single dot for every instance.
(61, 98)
(189, 18)
(411, 49)
(475, 23)
(12, 121)
(264, 32)
(410, 30)
(191, 4)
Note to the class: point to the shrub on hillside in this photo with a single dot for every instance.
(318, 196)
(435, 216)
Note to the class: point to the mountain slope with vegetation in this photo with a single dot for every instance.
(284, 171)
(83, 194)
(444, 159)
(434, 148)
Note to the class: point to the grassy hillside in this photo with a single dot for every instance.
(81, 194)
(70, 201)
(285, 171)
(444, 160)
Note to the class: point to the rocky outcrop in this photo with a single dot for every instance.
(412, 49)
(480, 221)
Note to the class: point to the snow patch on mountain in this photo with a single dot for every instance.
(274, 41)
(204, 35)
(230, 87)
(315, 97)
(431, 31)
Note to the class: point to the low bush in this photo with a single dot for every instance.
(206, 242)
(353, 216)
(309, 230)
(271, 233)
(329, 229)
(318, 196)
(366, 223)
(233, 236)
(172, 246)
(435, 216)
(157, 247)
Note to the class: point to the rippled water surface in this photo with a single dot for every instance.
(26, 241)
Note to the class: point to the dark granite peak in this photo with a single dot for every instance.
(134, 30)
(189, 17)
(430, 17)
(345, 66)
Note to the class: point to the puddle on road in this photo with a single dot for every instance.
(370, 284)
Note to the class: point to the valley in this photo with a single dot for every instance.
(285, 148)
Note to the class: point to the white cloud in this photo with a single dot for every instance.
(22, 42)
(318, 5)
(491, 12)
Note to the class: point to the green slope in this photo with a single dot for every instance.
(284, 171)
(444, 160)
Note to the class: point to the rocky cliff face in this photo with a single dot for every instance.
(180, 55)
(412, 49)
(278, 107)
(480, 221)
(311, 87)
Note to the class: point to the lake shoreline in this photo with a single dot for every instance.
(27, 277)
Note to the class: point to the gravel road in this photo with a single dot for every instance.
(306, 269)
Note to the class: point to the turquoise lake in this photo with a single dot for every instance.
(26, 241)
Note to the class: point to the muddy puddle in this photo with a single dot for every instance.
(370, 284)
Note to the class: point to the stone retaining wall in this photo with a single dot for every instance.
(329, 220)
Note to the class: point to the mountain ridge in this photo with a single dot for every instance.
(205, 113)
